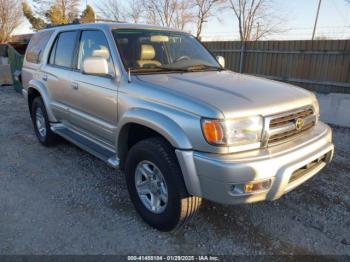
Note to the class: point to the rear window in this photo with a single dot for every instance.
(37, 46)
(62, 53)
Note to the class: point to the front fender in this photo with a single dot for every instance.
(158, 122)
(39, 87)
(171, 131)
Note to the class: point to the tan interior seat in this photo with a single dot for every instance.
(102, 52)
(147, 56)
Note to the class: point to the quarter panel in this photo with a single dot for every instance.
(40, 87)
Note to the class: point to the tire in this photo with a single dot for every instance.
(43, 131)
(180, 206)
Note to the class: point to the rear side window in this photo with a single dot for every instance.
(37, 46)
(62, 53)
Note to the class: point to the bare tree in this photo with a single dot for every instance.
(66, 10)
(37, 22)
(111, 9)
(161, 12)
(204, 10)
(10, 18)
(255, 18)
(183, 15)
(135, 11)
(170, 13)
(44, 12)
(69, 8)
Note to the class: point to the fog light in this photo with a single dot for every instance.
(250, 187)
(256, 186)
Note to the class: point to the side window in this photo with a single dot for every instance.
(94, 44)
(37, 46)
(62, 52)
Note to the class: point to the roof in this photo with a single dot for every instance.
(112, 26)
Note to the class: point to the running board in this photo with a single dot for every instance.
(86, 144)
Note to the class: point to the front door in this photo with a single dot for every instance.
(94, 97)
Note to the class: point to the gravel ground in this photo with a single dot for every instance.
(62, 200)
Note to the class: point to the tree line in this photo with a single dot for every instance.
(56, 12)
(170, 13)
(255, 19)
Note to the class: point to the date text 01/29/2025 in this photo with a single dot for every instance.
(173, 258)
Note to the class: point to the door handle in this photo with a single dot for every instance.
(75, 85)
(45, 77)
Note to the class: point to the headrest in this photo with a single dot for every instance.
(102, 52)
(147, 52)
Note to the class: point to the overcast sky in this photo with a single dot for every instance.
(334, 20)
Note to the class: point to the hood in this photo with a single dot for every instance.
(235, 95)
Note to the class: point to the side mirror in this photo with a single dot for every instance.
(221, 61)
(95, 66)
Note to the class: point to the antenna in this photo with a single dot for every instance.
(129, 75)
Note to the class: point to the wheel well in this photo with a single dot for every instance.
(32, 93)
(130, 135)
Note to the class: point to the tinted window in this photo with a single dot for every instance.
(62, 53)
(37, 46)
(94, 44)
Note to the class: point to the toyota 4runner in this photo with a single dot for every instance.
(155, 103)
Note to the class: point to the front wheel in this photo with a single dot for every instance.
(156, 185)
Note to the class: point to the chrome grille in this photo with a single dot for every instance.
(290, 117)
(283, 127)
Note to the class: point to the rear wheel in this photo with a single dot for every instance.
(156, 185)
(41, 123)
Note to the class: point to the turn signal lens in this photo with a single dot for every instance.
(256, 186)
(248, 188)
(240, 133)
(213, 131)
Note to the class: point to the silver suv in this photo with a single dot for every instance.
(156, 104)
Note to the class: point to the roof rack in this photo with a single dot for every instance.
(75, 22)
(108, 20)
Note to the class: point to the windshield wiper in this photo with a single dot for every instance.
(193, 68)
(203, 67)
(157, 69)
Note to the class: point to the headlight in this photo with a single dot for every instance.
(233, 132)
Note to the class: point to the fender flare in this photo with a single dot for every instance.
(39, 87)
(161, 124)
(158, 122)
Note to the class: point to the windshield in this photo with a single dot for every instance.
(149, 51)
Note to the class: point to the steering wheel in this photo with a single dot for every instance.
(184, 57)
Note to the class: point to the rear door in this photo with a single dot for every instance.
(59, 72)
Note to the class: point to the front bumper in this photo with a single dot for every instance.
(215, 176)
